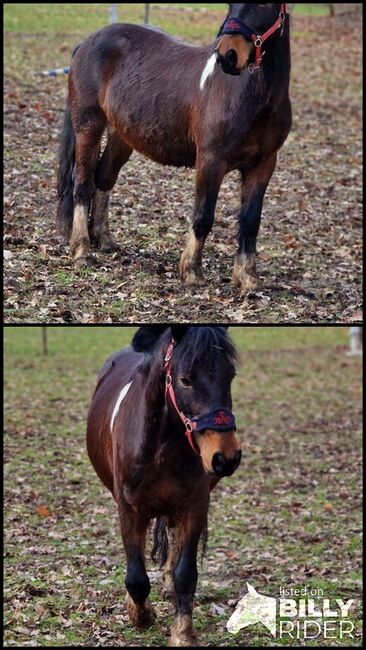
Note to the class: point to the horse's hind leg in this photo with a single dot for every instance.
(115, 155)
(209, 177)
(88, 134)
(133, 529)
(254, 187)
(169, 566)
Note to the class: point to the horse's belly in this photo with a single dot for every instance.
(161, 145)
(157, 130)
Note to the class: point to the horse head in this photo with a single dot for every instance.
(199, 366)
(245, 30)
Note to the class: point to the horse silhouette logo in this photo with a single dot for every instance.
(251, 609)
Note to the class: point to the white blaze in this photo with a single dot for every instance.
(208, 70)
(120, 399)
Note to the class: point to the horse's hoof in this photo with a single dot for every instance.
(188, 641)
(109, 246)
(247, 283)
(192, 279)
(141, 616)
(182, 632)
(86, 261)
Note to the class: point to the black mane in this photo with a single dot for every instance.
(204, 344)
(194, 344)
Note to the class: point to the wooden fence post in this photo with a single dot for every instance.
(44, 340)
(147, 13)
(113, 14)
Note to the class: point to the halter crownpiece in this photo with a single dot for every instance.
(237, 26)
(220, 419)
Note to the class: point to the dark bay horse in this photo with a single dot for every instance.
(160, 435)
(219, 108)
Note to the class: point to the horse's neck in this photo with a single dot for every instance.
(154, 395)
(272, 80)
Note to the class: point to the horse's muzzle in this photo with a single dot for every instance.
(232, 53)
(224, 467)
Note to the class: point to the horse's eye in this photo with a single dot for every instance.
(185, 382)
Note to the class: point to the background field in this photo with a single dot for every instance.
(311, 240)
(290, 516)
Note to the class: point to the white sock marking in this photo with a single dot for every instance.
(121, 397)
(208, 70)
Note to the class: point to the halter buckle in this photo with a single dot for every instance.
(189, 426)
(168, 381)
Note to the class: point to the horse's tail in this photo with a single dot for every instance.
(159, 551)
(65, 176)
(160, 548)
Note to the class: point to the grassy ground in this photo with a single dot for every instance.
(290, 516)
(310, 246)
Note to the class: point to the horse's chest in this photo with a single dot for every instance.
(158, 493)
(255, 145)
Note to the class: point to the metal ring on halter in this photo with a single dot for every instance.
(168, 380)
(258, 42)
(251, 68)
(189, 426)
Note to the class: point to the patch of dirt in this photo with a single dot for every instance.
(310, 246)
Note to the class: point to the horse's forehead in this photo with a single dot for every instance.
(204, 363)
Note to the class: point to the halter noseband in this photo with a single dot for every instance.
(237, 26)
(220, 419)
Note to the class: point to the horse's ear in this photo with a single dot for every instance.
(178, 332)
(146, 337)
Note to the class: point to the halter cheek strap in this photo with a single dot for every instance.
(189, 426)
(237, 26)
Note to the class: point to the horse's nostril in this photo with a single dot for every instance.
(219, 464)
(231, 57)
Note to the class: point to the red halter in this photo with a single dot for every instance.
(237, 26)
(169, 390)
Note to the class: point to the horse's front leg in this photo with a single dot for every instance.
(208, 182)
(254, 187)
(185, 576)
(133, 529)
